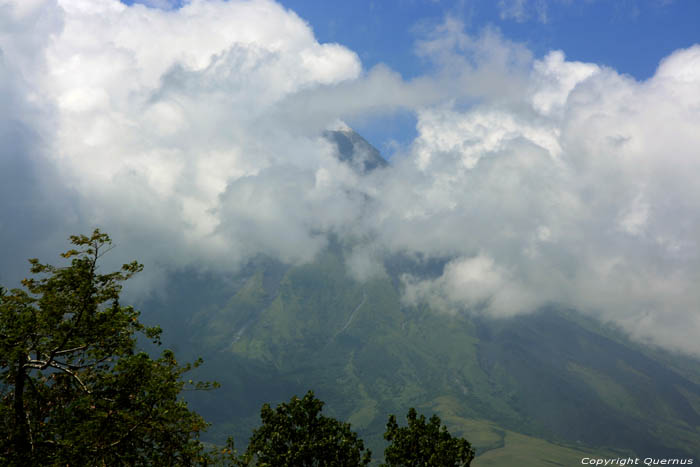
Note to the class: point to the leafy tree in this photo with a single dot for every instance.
(424, 444)
(295, 434)
(73, 388)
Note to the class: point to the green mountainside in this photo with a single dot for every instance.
(553, 386)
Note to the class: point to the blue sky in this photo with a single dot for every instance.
(631, 36)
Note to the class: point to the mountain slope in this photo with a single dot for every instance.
(354, 150)
(552, 375)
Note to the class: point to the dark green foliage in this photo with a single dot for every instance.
(295, 434)
(73, 389)
(424, 444)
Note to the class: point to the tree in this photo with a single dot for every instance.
(74, 390)
(424, 444)
(295, 434)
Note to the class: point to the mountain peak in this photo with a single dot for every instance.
(354, 150)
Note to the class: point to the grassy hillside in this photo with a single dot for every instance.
(550, 386)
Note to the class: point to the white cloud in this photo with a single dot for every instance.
(193, 136)
(582, 193)
(513, 9)
(522, 10)
(473, 283)
(365, 263)
(161, 4)
(155, 113)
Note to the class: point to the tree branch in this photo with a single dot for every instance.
(42, 365)
(67, 351)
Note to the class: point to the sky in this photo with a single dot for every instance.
(631, 36)
(546, 150)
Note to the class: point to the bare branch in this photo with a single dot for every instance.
(67, 351)
(41, 365)
(73, 374)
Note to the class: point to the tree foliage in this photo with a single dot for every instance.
(295, 434)
(74, 390)
(422, 444)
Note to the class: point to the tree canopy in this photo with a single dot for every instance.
(295, 434)
(74, 390)
(422, 444)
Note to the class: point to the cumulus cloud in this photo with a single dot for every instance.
(152, 114)
(194, 136)
(580, 193)
(473, 282)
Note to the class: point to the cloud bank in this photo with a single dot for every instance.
(193, 136)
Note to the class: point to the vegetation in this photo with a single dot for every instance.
(422, 444)
(295, 434)
(546, 375)
(73, 388)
